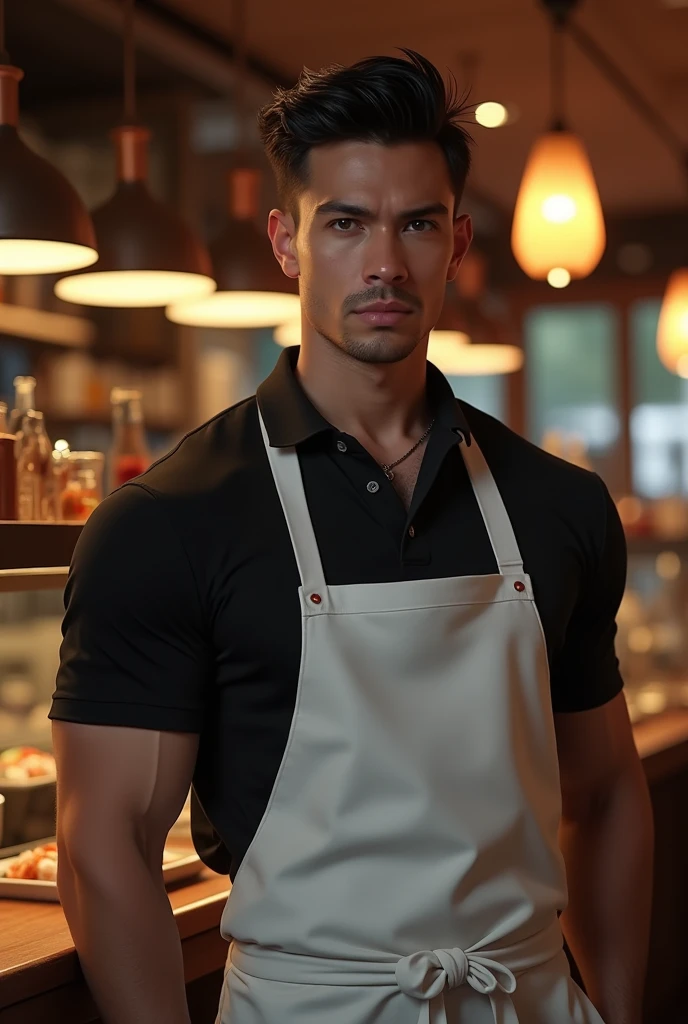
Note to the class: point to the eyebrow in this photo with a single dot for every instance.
(351, 210)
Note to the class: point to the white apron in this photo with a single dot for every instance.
(406, 869)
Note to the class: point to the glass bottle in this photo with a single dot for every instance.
(129, 455)
(34, 470)
(24, 399)
(8, 469)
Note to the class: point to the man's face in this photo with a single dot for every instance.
(376, 225)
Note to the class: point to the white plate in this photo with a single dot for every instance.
(184, 865)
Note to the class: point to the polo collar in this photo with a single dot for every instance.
(291, 418)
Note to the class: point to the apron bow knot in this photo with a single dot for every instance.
(423, 975)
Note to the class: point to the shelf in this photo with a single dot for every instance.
(36, 556)
(103, 418)
(41, 325)
(653, 545)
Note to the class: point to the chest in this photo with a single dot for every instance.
(367, 535)
(405, 477)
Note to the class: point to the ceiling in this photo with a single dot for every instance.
(70, 47)
(647, 40)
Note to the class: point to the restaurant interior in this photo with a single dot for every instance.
(139, 297)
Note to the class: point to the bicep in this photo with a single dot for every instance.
(595, 749)
(115, 782)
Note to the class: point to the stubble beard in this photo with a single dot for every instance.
(383, 345)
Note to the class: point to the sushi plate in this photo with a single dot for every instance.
(179, 865)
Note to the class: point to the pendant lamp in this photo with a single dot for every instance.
(251, 291)
(44, 226)
(485, 346)
(672, 330)
(148, 255)
(558, 230)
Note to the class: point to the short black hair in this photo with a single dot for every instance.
(385, 100)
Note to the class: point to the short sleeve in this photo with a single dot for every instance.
(134, 650)
(586, 673)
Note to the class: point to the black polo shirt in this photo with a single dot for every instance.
(181, 606)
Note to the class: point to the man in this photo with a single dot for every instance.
(326, 609)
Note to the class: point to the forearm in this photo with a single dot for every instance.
(127, 940)
(609, 854)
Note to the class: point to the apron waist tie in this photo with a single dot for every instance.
(421, 976)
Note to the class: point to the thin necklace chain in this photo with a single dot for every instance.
(388, 467)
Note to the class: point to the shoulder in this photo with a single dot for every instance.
(148, 520)
(207, 456)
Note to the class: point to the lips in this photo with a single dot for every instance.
(383, 314)
(382, 318)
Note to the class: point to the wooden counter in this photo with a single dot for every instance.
(40, 977)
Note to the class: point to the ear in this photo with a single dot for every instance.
(463, 236)
(282, 234)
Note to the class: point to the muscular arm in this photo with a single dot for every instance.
(119, 792)
(607, 842)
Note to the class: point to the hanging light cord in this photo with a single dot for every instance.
(4, 57)
(129, 64)
(241, 66)
(557, 76)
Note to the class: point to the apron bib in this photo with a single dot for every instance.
(406, 869)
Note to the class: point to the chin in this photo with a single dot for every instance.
(384, 346)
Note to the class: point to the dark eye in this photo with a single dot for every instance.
(423, 223)
(346, 221)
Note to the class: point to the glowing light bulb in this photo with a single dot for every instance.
(491, 115)
(558, 209)
(559, 277)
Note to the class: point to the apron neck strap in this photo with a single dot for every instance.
(286, 471)
(491, 505)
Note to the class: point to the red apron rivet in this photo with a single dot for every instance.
(316, 598)
(518, 585)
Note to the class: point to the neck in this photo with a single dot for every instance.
(380, 401)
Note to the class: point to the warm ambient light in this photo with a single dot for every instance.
(558, 277)
(558, 219)
(251, 291)
(450, 351)
(148, 256)
(238, 310)
(491, 115)
(38, 256)
(672, 330)
(132, 288)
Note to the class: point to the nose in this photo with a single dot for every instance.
(384, 258)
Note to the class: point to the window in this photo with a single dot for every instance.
(571, 371)
(659, 419)
(485, 393)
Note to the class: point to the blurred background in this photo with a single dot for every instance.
(553, 325)
(139, 295)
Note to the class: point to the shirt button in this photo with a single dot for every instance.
(373, 486)
(412, 532)
(341, 446)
